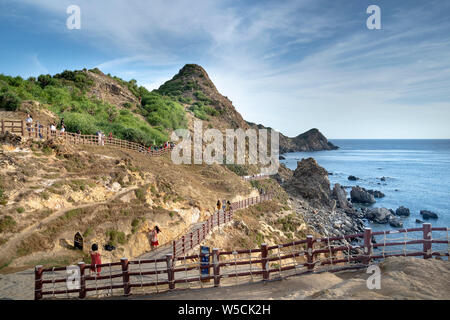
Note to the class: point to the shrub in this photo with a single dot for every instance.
(7, 223)
(116, 237)
(20, 210)
(9, 101)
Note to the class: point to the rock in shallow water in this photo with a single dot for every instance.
(402, 211)
(352, 178)
(360, 195)
(428, 214)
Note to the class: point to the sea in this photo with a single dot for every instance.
(417, 174)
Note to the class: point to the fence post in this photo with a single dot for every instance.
(216, 267)
(3, 126)
(38, 270)
(23, 128)
(367, 245)
(125, 276)
(264, 261)
(170, 273)
(82, 293)
(309, 251)
(204, 232)
(198, 236)
(183, 239)
(174, 248)
(426, 240)
(192, 242)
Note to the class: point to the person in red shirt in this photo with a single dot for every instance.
(95, 259)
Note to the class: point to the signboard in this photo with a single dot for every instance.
(78, 241)
(204, 261)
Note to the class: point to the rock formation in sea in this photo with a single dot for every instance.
(361, 195)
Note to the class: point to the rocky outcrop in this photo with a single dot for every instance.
(352, 178)
(310, 181)
(402, 211)
(284, 174)
(395, 222)
(360, 195)
(340, 195)
(312, 140)
(382, 216)
(378, 215)
(428, 214)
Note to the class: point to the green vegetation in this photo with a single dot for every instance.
(116, 237)
(202, 111)
(66, 95)
(20, 210)
(87, 232)
(141, 193)
(3, 197)
(238, 169)
(7, 223)
(72, 213)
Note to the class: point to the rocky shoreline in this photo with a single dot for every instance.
(332, 212)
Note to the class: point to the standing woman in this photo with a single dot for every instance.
(95, 259)
(154, 237)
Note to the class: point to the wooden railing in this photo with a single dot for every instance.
(310, 255)
(190, 240)
(256, 177)
(36, 131)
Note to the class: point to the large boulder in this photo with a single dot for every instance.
(402, 211)
(310, 181)
(352, 178)
(360, 195)
(428, 214)
(340, 195)
(395, 221)
(378, 215)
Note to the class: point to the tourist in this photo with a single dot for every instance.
(99, 137)
(29, 122)
(110, 136)
(61, 124)
(154, 237)
(95, 259)
(40, 128)
(63, 129)
(219, 205)
(53, 129)
(228, 205)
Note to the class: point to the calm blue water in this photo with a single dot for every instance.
(418, 169)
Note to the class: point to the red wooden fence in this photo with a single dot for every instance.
(310, 255)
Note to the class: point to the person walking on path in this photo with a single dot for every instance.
(95, 259)
(219, 205)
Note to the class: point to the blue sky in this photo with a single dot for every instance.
(291, 65)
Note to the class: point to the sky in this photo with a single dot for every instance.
(290, 65)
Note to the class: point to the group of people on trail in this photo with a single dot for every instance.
(101, 138)
(40, 127)
(96, 257)
(166, 145)
(225, 204)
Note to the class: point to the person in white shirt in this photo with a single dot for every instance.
(29, 122)
(63, 129)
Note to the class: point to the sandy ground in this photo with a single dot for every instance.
(401, 278)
